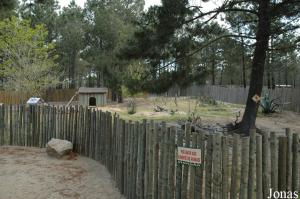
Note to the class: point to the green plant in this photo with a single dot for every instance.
(268, 106)
(131, 107)
(207, 100)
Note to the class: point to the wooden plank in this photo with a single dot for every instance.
(235, 166)
(295, 178)
(28, 116)
(156, 160)
(202, 146)
(122, 155)
(225, 168)
(11, 125)
(252, 164)
(141, 161)
(217, 167)
(282, 166)
(274, 160)
(244, 168)
(147, 163)
(164, 160)
(266, 164)
(185, 172)
(2, 124)
(131, 161)
(179, 167)
(197, 179)
(135, 157)
(259, 176)
(191, 186)
(289, 160)
(208, 167)
(172, 163)
(126, 160)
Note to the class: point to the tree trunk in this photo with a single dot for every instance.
(120, 95)
(99, 78)
(286, 72)
(268, 69)
(273, 81)
(243, 63)
(221, 75)
(258, 62)
(213, 78)
(72, 69)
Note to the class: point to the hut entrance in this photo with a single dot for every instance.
(92, 101)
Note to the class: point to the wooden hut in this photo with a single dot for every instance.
(92, 96)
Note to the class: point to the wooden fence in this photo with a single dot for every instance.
(289, 97)
(141, 156)
(54, 95)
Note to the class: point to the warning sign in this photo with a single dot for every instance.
(256, 98)
(189, 156)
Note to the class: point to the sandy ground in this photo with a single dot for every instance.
(29, 173)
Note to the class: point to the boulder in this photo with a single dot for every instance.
(59, 148)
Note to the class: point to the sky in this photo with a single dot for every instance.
(64, 3)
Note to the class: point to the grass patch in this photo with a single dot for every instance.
(177, 109)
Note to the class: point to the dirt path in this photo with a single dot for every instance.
(28, 173)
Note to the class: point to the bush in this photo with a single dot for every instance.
(268, 106)
(131, 107)
(207, 100)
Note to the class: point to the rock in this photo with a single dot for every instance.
(58, 148)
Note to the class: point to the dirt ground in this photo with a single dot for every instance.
(29, 173)
(222, 113)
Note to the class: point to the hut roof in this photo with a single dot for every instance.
(92, 90)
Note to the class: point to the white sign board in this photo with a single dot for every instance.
(33, 100)
(189, 156)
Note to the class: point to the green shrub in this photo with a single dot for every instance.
(131, 107)
(268, 106)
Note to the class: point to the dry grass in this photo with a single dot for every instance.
(182, 108)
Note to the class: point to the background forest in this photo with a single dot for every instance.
(121, 45)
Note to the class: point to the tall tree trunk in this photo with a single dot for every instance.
(286, 71)
(243, 63)
(257, 73)
(221, 75)
(268, 69)
(72, 69)
(213, 75)
(273, 81)
(99, 78)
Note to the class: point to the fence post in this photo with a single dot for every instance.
(259, 192)
(234, 168)
(217, 167)
(282, 169)
(122, 154)
(295, 178)
(184, 189)
(289, 160)
(141, 161)
(208, 167)
(274, 160)
(252, 159)
(2, 123)
(266, 164)
(172, 163)
(179, 166)
(164, 160)
(147, 163)
(225, 167)
(244, 168)
(156, 160)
